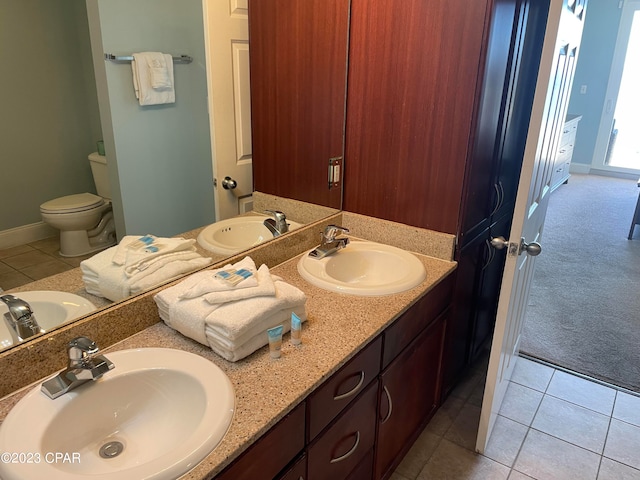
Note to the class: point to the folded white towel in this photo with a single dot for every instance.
(210, 283)
(265, 288)
(231, 324)
(102, 277)
(168, 272)
(131, 253)
(238, 352)
(234, 319)
(144, 78)
(283, 317)
(159, 65)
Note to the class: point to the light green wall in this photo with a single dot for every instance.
(594, 63)
(49, 119)
(159, 156)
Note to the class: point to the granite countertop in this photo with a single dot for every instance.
(338, 327)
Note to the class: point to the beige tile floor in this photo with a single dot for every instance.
(34, 261)
(552, 426)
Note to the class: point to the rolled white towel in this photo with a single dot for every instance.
(265, 288)
(209, 283)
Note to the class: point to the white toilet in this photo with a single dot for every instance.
(85, 220)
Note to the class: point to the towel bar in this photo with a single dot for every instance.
(128, 58)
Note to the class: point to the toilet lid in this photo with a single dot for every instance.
(72, 203)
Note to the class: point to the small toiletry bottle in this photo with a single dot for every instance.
(296, 329)
(275, 341)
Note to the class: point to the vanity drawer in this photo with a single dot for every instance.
(298, 471)
(342, 387)
(348, 442)
(406, 328)
(272, 452)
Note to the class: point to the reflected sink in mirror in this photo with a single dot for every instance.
(156, 415)
(50, 308)
(233, 235)
(364, 268)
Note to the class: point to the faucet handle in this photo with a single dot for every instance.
(277, 214)
(18, 308)
(332, 231)
(80, 350)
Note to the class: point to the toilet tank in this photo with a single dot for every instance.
(100, 175)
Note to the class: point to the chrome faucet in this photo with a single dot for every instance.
(84, 365)
(20, 317)
(278, 224)
(329, 243)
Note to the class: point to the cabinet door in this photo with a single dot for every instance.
(482, 188)
(272, 452)
(409, 396)
(298, 470)
(485, 305)
(471, 261)
(413, 68)
(298, 62)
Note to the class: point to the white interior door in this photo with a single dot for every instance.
(227, 47)
(549, 111)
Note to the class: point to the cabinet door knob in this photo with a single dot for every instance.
(499, 243)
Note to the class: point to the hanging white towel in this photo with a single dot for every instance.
(153, 80)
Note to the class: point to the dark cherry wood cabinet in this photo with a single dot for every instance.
(361, 421)
(409, 396)
(342, 388)
(298, 471)
(266, 458)
(413, 74)
(347, 442)
(298, 62)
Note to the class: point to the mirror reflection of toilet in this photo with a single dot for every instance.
(85, 220)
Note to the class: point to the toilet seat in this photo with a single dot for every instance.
(79, 202)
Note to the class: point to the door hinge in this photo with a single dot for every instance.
(335, 172)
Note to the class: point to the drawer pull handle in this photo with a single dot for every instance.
(350, 452)
(353, 390)
(390, 404)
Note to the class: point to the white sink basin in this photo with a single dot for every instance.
(51, 309)
(233, 235)
(167, 409)
(364, 268)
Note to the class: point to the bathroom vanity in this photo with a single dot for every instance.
(351, 399)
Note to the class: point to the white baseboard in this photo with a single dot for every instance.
(579, 168)
(25, 234)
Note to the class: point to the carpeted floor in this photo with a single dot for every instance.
(584, 307)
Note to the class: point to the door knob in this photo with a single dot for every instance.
(533, 248)
(499, 243)
(229, 183)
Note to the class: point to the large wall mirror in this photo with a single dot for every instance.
(52, 121)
